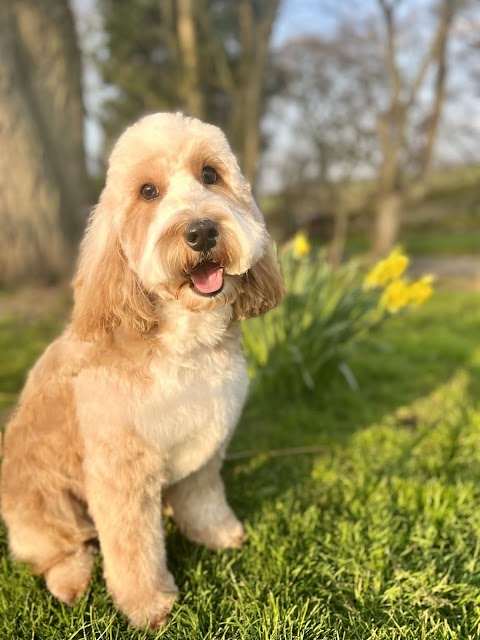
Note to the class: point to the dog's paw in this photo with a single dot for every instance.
(68, 579)
(231, 535)
(151, 611)
(227, 534)
(153, 614)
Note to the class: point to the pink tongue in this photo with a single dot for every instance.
(207, 278)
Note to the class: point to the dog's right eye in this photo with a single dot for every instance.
(149, 192)
(209, 175)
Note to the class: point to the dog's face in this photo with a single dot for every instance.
(186, 219)
(176, 220)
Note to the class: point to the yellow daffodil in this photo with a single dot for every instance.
(301, 245)
(399, 294)
(396, 296)
(420, 291)
(387, 270)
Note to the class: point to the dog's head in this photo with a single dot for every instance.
(176, 221)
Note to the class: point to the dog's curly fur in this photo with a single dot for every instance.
(133, 406)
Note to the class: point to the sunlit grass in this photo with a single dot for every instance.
(372, 535)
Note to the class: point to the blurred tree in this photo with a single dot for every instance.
(188, 45)
(208, 58)
(402, 175)
(43, 180)
(331, 139)
(366, 100)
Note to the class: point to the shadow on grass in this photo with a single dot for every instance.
(399, 374)
(402, 427)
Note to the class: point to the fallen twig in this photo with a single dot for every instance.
(275, 453)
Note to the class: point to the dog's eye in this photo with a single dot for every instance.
(209, 175)
(149, 192)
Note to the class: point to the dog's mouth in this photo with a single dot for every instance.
(207, 278)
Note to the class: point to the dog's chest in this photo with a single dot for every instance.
(192, 406)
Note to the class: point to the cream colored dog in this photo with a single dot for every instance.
(134, 405)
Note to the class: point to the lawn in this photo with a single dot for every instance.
(437, 242)
(369, 531)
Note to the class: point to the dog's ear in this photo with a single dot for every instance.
(107, 292)
(263, 287)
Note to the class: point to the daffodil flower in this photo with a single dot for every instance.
(421, 290)
(387, 270)
(301, 245)
(396, 296)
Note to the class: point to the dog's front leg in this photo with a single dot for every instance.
(201, 510)
(123, 487)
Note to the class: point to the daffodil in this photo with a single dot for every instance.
(301, 245)
(387, 270)
(396, 296)
(421, 290)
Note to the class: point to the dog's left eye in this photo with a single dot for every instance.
(149, 192)
(209, 175)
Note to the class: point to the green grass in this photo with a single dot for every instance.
(440, 242)
(374, 535)
(21, 342)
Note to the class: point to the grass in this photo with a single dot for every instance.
(373, 535)
(438, 242)
(441, 243)
(21, 342)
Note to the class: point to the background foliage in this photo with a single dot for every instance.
(340, 113)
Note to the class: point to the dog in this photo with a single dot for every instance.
(131, 410)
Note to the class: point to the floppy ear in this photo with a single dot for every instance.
(263, 287)
(107, 292)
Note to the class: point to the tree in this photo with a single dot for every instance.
(368, 97)
(43, 180)
(190, 88)
(206, 58)
(397, 181)
(330, 141)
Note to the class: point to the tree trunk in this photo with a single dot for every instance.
(394, 184)
(43, 180)
(440, 54)
(255, 38)
(188, 47)
(387, 223)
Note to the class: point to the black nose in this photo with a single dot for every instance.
(201, 235)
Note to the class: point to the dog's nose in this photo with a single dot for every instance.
(201, 235)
